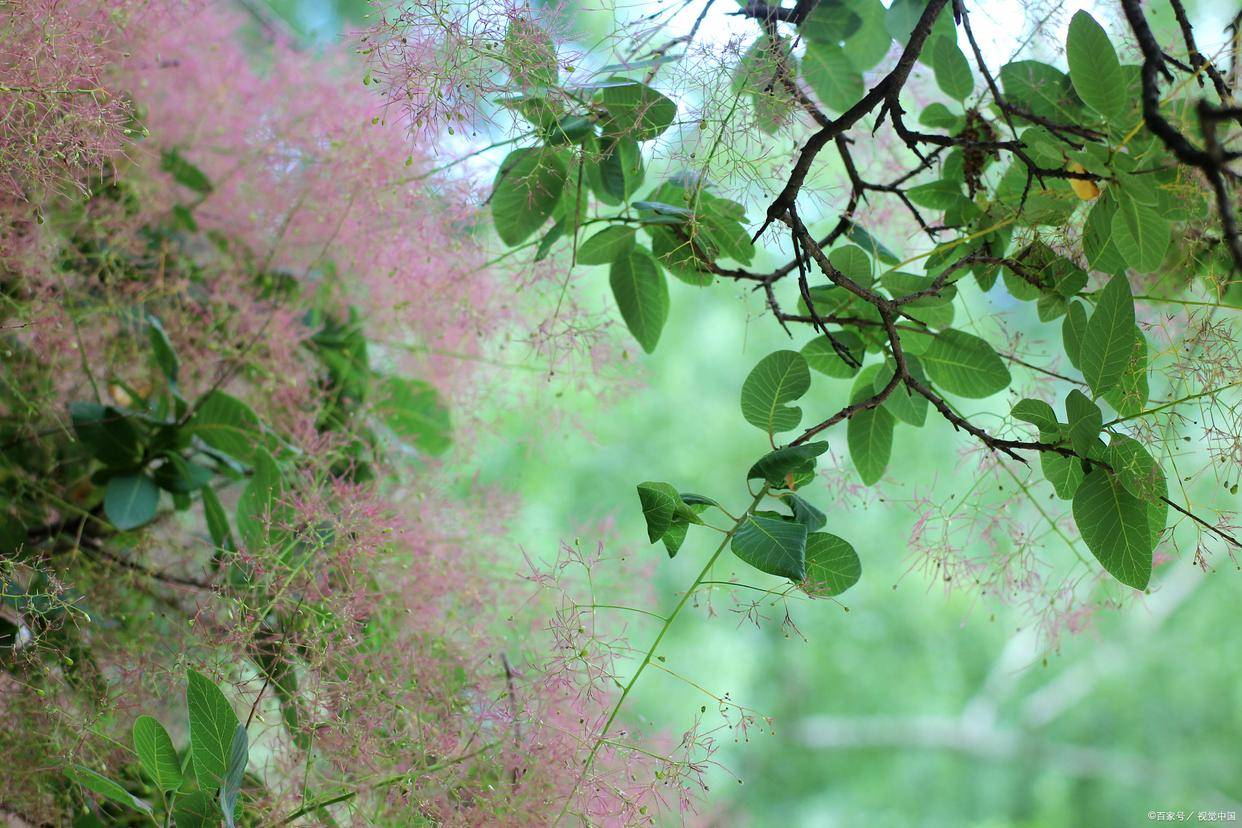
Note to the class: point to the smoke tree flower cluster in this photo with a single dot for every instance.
(243, 328)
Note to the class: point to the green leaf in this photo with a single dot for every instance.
(829, 72)
(659, 502)
(695, 499)
(130, 500)
(1030, 201)
(867, 242)
(637, 110)
(1073, 329)
(1064, 473)
(1094, 68)
(156, 752)
(675, 536)
(829, 22)
(1140, 234)
(1108, 340)
(527, 188)
(607, 245)
(549, 240)
(530, 53)
(902, 17)
(869, 435)
(641, 293)
(771, 103)
(805, 513)
(257, 507)
(1097, 237)
(830, 300)
(1045, 90)
(937, 195)
(776, 466)
(217, 520)
(939, 116)
(688, 261)
(1085, 421)
(777, 547)
(870, 44)
(161, 347)
(183, 172)
(823, 357)
(832, 565)
(854, 263)
(212, 727)
(951, 68)
(1142, 476)
(620, 169)
(108, 433)
(230, 790)
(777, 380)
(416, 413)
(180, 476)
(1135, 468)
(227, 424)
(1036, 412)
(571, 129)
(106, 788)
(933, 315)
(195, 809)
(902, 403)
(965, 365)
(1129, 396)
(721, 228)
(1115, 526)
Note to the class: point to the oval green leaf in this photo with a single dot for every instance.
(641, 292)
(636, 110)
(1115, 525)
(212, 727)
(829, 72)
(130, 500)
(1094, 68)
(832, 565)
(823, 357)
(527, 188)
(1108, 338)
(771, 545)
(777, 380)
(156, 753)
(965, 365)
(869, 434)
(951, 69)
(107, 788)
(607, 245)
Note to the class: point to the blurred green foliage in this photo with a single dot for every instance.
(1152, 705)
(915, 707)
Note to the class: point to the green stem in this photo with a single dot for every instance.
(651, 651)
(1172, 403)
(345, 796)
(1188, 302)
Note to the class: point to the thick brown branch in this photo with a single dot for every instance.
(1211, 158)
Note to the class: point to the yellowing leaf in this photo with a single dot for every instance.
(1084, 189)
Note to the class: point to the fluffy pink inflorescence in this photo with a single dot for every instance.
(308, 174)
(310, 181)
(61, 116)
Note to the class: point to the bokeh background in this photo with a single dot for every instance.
(905, 704)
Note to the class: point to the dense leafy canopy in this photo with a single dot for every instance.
(1081, 154)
